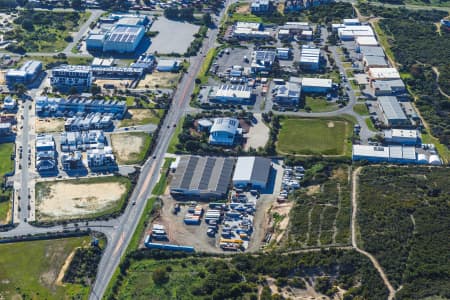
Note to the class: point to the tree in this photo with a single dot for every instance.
(27, 24)
(20, 88)
(187, 14)
(171, 13)
(95, 89)
(77, 4)
(160, 276)
(73, 91)
(207, 20)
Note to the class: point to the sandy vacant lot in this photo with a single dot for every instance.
(119, 84)
(159, 80)
(49, 125)
(258, 135)
(59, 200)
(128, 146)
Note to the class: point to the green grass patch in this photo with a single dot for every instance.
(313, 136)
(128, 156)
(319, 104)
(142, 116)
(130, 101)
(361, 109)
(383, 39)
(143, 221)
(46, 60)
(443, 151)
(5, 207)
(29, 270)
(162, 183)
(245, 17)
(6, 163)
(174, 141)
(370, 125)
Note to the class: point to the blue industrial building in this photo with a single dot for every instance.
(25, 74)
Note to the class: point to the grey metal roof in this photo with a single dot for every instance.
(205, 174)
(372, 51)
(391, 108)
(376, 61)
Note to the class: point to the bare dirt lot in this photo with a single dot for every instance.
(119, 84)
(129, 147)
(243, 9)
(2, 77)
(65, 199)
(159, 80)
(258, 135)
(49, 125)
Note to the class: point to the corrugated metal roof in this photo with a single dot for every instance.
(252, 169)
(391, 108)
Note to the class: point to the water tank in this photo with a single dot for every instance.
(434, 160)
(204, 125)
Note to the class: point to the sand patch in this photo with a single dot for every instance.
(65, 267)
(127, 146)
(65, 199)
(313, 189)
(330, 124)
(159, 80)
(258, 134)
(49, 125)
(137, 117)
(243, 9)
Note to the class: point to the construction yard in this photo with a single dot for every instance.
(258, 134)
(49, 125)
(90, 197)
(130, 148)
(157, 80)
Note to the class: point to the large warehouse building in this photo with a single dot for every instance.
(252, 172)
(202, 177)
(393, 114)
(122, 38)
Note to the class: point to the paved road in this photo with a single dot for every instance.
(121, 235)
(95, 14)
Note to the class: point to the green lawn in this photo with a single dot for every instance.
(29, 270)
(174, 141)
(238, 17)
(319, 104)
(313, 136)
(361, 109)
(6, 166)
(369, 124)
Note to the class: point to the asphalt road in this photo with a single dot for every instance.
(95, 14)
(122, 234)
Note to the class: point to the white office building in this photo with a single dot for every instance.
(224, 131)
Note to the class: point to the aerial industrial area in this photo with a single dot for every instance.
(195, 149)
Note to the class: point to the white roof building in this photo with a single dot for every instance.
(402, 136)
(383, 73)
(366, 41)
(232, 93)
(354, 31)
(252, 172)
(394, 154)
(317, 85)
(249, 25)
(350, 22)
(224, 131)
